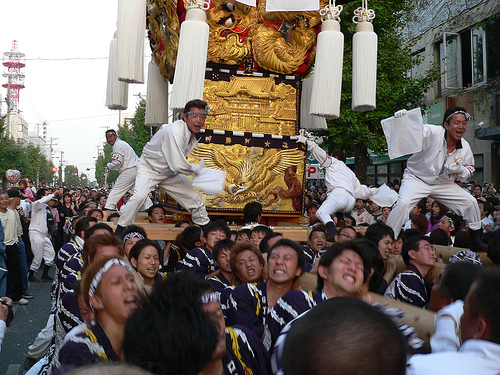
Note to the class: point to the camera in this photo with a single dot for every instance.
(11, 313)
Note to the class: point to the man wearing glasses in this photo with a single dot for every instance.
(164, 162)
(408, 286)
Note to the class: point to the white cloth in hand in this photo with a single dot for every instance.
(210, 181)
(400, 113)
(200, 166)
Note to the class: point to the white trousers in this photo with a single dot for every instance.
(412, 190)
(177, 186)
(337, 200)
(41, 246)
(123, 183)
(42, 342)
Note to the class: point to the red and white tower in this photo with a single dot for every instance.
(14, 72)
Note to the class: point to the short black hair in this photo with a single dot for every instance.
(261, 229)
(412, 243)
(172, 321)
(197, 103)
(112, 215)
(136, 250)
(295, 246)
(218, 224)
(186, 240)
(221, 245)
(457, 279)
(485, 300)
(439, 237)
(156, 205)
(377, 231)
(340, 155)
(317, 228)
(90, 231)
(83, 224)
(248, 232)
(332, 339)
(264, 244)
(251, 212)
(337, 249)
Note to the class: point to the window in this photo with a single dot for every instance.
(463, 59)
(450, 52)
(418, 68)
(478, 55)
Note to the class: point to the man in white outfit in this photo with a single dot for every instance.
(479, 331)
(41, 245)
(163, 162)
(341, 183)
(125, 161)
(445, 156)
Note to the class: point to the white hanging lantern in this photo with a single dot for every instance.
(327, 82)
(116, 91)
(306, 120)
(189, 76)
(364, 60)
(157, 97)
(131, 36)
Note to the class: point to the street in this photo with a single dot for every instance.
(28, 321)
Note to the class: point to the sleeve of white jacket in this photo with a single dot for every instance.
(362, 191)
(116, 159)
(318, 153)
(44, 200)
(447, 323)
(173, 149)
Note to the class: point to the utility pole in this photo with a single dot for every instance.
(60, 169)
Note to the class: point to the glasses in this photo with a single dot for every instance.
(428, 247)
(348, 236)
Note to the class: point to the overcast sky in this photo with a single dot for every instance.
(66, 44)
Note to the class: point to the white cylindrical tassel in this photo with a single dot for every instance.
(327, 83)
(131, 35)
(116, 91)
(189, 76)
(157, 98)
(306, 120)
(364, 68)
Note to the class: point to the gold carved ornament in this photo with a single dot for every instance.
(164, 27)
(270, 176)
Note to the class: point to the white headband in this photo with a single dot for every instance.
(210, 297)
(100, 274)
(467, 116)
(205, 112)
(132, 235)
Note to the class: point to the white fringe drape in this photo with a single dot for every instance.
(116, 91)
(189, 77)
(306, 120)
(327, 84)
(157, 97)
(364, 68)
(131, 36)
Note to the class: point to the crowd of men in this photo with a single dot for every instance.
(248, 300)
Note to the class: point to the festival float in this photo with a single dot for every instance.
(268, 69)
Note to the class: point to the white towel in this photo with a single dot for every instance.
(291, 5)
(210, 181)
(385, 196)
(405, 134)
(252, 3)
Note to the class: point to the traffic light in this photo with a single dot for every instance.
(54, 169)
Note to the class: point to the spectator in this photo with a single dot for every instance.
(247, 263)
(312, 342)
(480, 327)
(145, 259)
(409, 286)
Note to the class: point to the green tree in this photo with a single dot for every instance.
(27, 159)
(71, 175)
(358, 132)
(135, 133)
